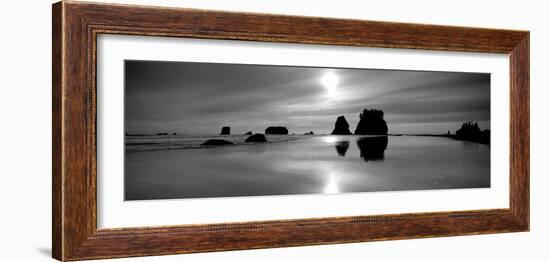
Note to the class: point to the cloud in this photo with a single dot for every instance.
(201, 97)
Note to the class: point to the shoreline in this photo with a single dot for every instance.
(289, 138)
(184, 147)
(478, 140)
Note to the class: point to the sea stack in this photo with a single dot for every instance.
(216, 142)
(470, 131)
(256, 138)
(341, 127)
(276, 130)
(226, 130)
(371, 122)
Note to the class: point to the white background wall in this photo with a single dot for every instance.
(25, 114)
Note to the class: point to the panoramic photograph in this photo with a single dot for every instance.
(202, 130)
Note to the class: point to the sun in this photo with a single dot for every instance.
(330, 81)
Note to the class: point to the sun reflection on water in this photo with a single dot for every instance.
(330, 139)
(331, 186)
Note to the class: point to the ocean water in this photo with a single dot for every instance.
(171, 167)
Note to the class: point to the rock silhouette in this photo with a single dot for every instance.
(371, 122)
(128, 134)
(470, 131)
(248, 133)
(276, 130)
(226, 130)
(372, 148)
(341, 147)
(216, 142)
(256, 138)
(341, 127)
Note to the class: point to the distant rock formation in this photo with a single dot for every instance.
(372, 148)
(226, 131)
(256, 138)
(248, 133)
(127, 134)
(276, 130)
(309, 133)
(341, 127)
(341, 147)
(216, 142)
(371, 122)
(470, 131)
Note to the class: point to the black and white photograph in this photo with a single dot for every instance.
(202, 130)
(274, 131)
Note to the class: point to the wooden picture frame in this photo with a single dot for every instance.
(75, 28)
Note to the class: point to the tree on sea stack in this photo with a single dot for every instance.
(371, 122)
(470, 131)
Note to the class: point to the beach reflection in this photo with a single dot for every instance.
(372, 148)
(308, 166)
(331, 186)
(341, 147)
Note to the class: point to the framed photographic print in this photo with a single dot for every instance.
(181, 130)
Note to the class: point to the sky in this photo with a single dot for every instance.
(200, 98)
